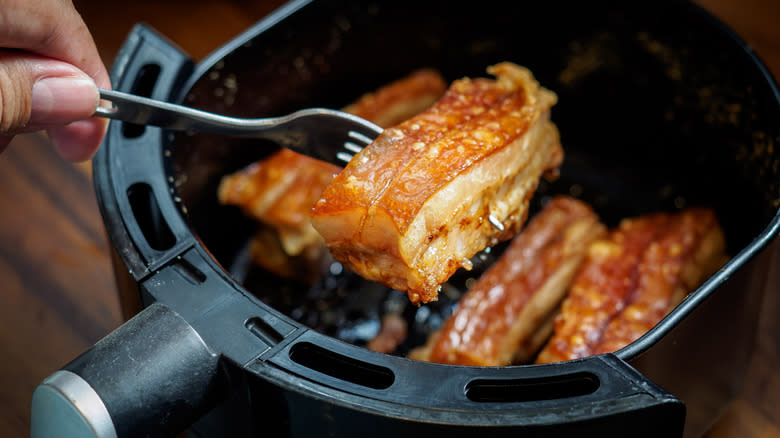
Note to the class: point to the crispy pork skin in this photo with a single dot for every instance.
(632, 279)
(690, 249)
(279, 191)
(600, 289)
(417, 203)
(502, 318)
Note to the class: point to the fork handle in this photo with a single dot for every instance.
(140, 110)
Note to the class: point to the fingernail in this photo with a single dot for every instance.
(63, 100)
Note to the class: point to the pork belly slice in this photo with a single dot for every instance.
(631, 281)
(600, 288)
(401, 99)
(418, 202)
(690, 250)
(267, 250)
(504, 317)
(279, 191)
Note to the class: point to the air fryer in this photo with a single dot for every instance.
(660, 107)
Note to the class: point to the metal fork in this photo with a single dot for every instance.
(326, 134)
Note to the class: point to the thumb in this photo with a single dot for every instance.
(40, 93)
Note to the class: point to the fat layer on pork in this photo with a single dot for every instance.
(428, 194)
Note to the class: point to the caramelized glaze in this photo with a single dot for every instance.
(413, 206)
(504, 308)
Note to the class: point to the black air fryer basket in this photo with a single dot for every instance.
(660, 107)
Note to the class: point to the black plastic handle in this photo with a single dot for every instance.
(153, 376)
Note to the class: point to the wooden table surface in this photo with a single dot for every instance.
(56, 281)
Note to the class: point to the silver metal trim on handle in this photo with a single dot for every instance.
(64, 405)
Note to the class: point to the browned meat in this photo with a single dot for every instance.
(391, 334)
(417, 203)
(688, 251)
(400, 100)
(501, 319)
(280, 190)
(630, 281)
(268, 251)
(601, 288)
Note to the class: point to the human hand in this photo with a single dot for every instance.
(49, 73)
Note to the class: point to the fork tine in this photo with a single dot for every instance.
(360, 137)
(343, 156)
(360, 142)
(353, 147)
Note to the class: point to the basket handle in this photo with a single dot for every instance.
(153, 376)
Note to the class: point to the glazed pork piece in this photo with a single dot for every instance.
(688, 251)
(601, 288)
(632, 279)
(401, 99)
(504, 317)
(279, 191)
(428, 194)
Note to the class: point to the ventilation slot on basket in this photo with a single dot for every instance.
(341, 367)
(143, 86)
(524, 390)
(149, 217)
(188, 271)
(263, 330)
